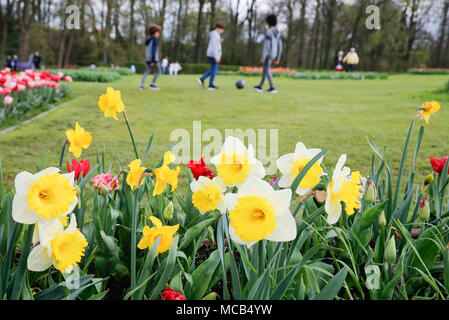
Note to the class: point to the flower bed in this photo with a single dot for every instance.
(314, 233)
(28, 92)
(428, 71)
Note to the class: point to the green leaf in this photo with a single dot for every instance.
(194, 231)
(333, 286)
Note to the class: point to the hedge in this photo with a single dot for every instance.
(188, 68)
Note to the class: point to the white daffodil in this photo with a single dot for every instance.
(45, 195)
(258, 212)
(235, 163)
(344, 187)
(208, 194)
(291, 165)
(58, 247)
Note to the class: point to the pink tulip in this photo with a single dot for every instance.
(8, 100)
(105, 182)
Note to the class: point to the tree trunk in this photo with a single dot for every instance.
(288, 42)
(439, 48)
(199, 24)
(61, 47)
(24, 18)
(302, 32)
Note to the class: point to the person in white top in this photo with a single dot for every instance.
(165, 65)
(174, 68)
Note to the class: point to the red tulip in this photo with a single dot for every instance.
(83, 166)
(170, 294)
(199, 168)
(438, 164)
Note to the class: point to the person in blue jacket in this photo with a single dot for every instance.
(151, 57)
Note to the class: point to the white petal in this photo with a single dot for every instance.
(220, 183)
(203, 181)
(194, 186)
(285, 163)
(313, 153)
(71, 177)
(23, 182)
(21, 212)
(257, 169)
(332, 208)
(285, 181)
(71, 207)
(280, 200)
(234, 145)
(48, 229)
(50, 170)
(38, 259)
(285, 228)
(238, 240)
(230, 199)
(341, 162)
(300, 150)
(215, 159)
(255, 186)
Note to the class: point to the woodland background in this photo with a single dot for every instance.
(413, 33)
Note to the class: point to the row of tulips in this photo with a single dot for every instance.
(312, 233)
(22, 91)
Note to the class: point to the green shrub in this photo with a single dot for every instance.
(428, 71)
(322, 75)
(188, 68)
(91, 75)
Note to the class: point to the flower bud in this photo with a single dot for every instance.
(424, 212)
(429, 179)
(168, 211)
(390, 251)
(370, 192)
(382, 221)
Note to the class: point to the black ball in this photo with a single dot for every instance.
(240, 84)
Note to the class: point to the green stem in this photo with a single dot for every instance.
(20, 273)
(61, 157)
(134, 242)
(131, 134)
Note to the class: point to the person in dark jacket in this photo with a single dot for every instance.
(151, 57)
(37, 60)
(14, 63)
(8, 62)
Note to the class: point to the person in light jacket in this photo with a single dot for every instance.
(214, 56)
(351, 60)
(272, 50)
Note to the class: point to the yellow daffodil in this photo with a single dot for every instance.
(235, 163)
(428, 109)
(208, 194)
(258, 212)
(344, 187)
(79, 139)
(291, 165)
(164, 175)
(150, 235)
(61, 248)
(111, 103)
(135, 172)
(45, 195)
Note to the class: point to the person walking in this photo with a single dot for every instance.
(151, 57)
(272, 50)
(214, 55)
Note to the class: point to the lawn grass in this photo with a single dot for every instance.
(325, 113)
